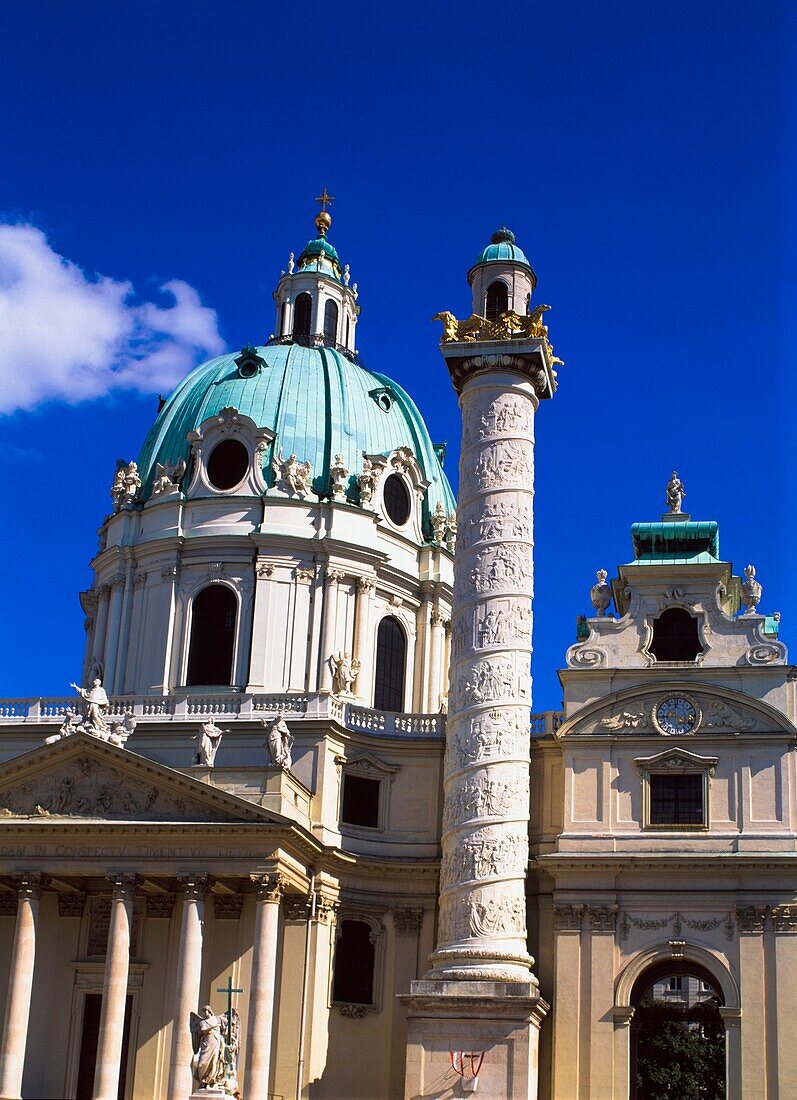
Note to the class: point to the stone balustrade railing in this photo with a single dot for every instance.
(243, 706)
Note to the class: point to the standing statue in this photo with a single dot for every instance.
(126, 484)
(751, 591)
(601, 593)
(279, 740)
(675, 495)
(215, 1058)
(339, 476)
(207, 743)
(344, 672)
(96, 702)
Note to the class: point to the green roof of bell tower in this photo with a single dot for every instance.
(676, 541)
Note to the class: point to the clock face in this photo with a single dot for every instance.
(676, 714)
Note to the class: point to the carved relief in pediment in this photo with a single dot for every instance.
(87, 788)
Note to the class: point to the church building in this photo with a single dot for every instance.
(298, 777)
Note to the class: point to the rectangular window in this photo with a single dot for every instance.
(360, 801)
(676, 799)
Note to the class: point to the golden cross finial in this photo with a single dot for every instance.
(324, 199)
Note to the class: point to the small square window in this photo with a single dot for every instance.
(360, 804)
(676, 799)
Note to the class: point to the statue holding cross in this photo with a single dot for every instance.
(216, 1041)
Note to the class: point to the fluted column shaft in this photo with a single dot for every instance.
(263, 986)
(20, 987)
(114, 990)
(189, 973)
(112, 633)
(482, 930)
(101, 625)
(328, 630)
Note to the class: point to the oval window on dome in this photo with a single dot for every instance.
(397, 500)
(228, 464)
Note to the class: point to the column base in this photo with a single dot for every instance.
(500, 1020)
(210, 1094)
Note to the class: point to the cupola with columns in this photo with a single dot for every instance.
(315, 306)
(501, 278)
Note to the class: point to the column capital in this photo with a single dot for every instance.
(437, 618)
(30, 884)
(194, 887)
(123, 885)
(366, 585)
(334, 576)
(269, 887)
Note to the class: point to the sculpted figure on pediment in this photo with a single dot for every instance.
(96, 701)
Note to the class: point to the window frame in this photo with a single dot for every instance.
(367, 766)
(676, 762)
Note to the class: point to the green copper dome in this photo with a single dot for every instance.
(319, 403)
(502, 247)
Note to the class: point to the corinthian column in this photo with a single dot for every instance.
(482, 929)
(363, 643)
(269, 890)
(114, 990)
(20, 987)
(189, 972)
(328, 630)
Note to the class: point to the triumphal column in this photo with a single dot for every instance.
(477, 1011)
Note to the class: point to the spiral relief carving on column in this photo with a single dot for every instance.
(482, 931)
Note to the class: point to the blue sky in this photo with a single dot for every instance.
(642, 153)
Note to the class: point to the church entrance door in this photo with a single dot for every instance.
(677, 1036)
(92, 1005)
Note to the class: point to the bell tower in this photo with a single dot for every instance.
(481, 996)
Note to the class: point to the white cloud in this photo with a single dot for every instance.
(68, 337)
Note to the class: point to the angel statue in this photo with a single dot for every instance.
(215, 1040)
(96, 701)
(279, 740)
(345, 670)
(291, 476)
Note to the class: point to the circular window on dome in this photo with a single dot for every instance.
(228, 464)
(397, 500)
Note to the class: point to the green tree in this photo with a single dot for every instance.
(680, 1055)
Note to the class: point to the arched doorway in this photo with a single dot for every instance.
(677, 1034)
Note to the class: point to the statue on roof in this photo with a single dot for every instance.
(601, 593)
(675, 495)
(96, 701)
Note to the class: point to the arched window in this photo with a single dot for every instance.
(391, 660)
(331, 321)
(497, 301)
(355, 958)
(210, 650)
(286, 312)
(678, 1034)
(675, 636)
(395, 496)
(302, 311)
(348, 329)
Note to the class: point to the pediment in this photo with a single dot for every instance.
(81, 777)
(722, 713)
